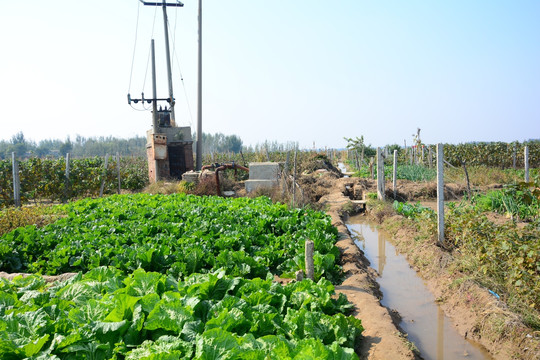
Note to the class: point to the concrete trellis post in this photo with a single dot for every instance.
(310, 266)
(440, 194)
(294, 180)
(16, 181)
(526, 161)
(380, 174)
(394, 174)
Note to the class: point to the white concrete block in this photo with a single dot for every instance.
(252, 185)
(264, 171)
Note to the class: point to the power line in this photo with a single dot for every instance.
(134, 47)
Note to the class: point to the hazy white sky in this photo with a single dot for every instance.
(305, 71)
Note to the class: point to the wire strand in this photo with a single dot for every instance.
(175, 55)
(134, 47)
(150, 50)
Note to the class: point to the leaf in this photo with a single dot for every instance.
(169, 316)
(216, 344)
(124, 305)
(142, 283)
(232, 320)
(165, 348)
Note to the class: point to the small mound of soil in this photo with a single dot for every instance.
(414, 191)
(315, 187)
(321, 162)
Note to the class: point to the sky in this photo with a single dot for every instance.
(311, 72)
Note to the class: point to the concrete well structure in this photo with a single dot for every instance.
(262, 175)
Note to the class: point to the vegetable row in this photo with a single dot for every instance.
(176, 234)
(104, 314)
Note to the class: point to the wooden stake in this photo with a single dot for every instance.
(118, 171)
(467, 178)
(104, 175)
(380, 174)
(67, 184)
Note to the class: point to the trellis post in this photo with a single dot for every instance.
(440, 194)
(16, 181)
(310, 266)
(394, 174)
(526, 160)
(104, 175)
(118, 171)
(66, 180)
(380, 174)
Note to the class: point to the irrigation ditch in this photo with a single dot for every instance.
(445, 321)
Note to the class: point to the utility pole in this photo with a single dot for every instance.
(199, 96)
(155, 122)
(164, 5)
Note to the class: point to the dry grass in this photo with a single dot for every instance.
(483, 176)
(12, 218)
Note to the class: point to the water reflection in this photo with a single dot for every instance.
(440, 334)
(422, 319)
(382, 253)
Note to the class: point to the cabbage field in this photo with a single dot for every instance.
(174, 277)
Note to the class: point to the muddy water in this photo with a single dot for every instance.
(422, 319)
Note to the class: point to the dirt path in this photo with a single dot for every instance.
(382, 340)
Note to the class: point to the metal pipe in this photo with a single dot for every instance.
(221, 168)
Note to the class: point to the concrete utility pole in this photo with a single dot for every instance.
(164, 5)
(155, 124)
(199, 95)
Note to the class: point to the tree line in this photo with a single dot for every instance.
(81, 146)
